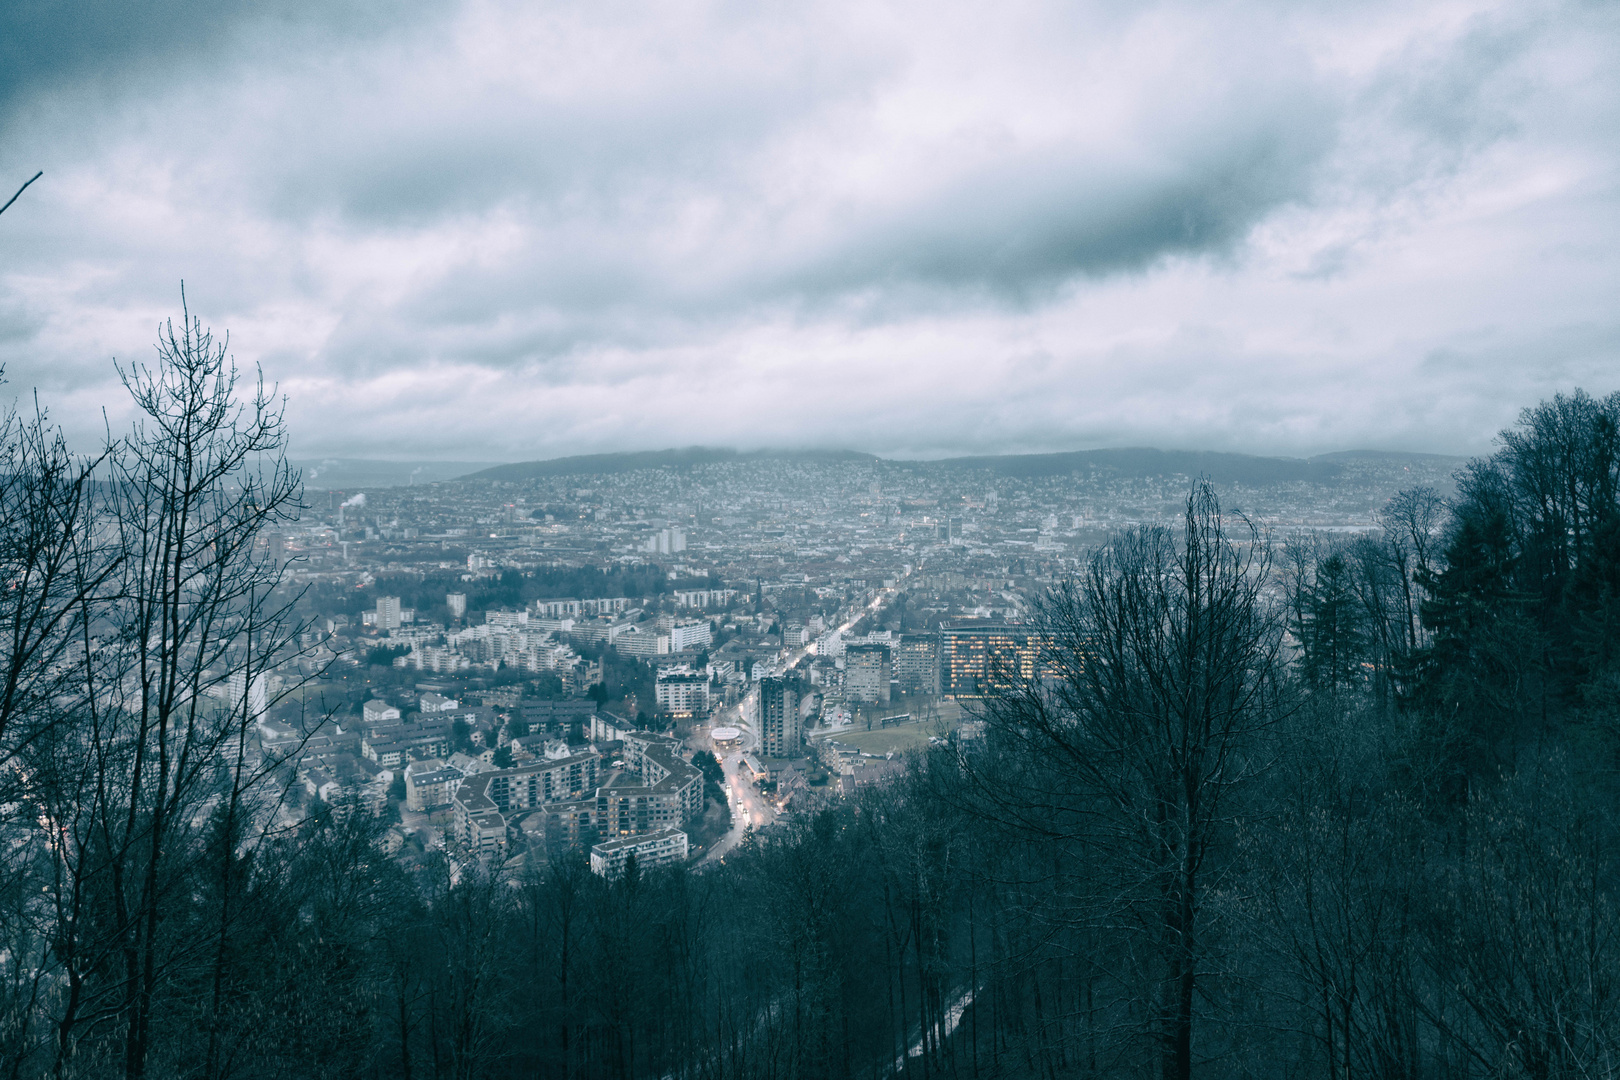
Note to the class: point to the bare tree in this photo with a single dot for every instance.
(1411, 523)
(54, 570)
(155, 783)
(1158, 666)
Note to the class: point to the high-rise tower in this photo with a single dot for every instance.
(780, 732)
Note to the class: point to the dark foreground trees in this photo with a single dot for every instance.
(1158, 671)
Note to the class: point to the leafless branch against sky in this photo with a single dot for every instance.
(20, 190)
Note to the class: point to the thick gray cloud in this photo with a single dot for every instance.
(47, 46)
(490, 229)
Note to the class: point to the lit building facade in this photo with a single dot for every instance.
(979, 659)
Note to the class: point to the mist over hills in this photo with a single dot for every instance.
(1146, 461)
(1117, 463)
(344, 474)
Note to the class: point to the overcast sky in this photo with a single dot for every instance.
(488, 231)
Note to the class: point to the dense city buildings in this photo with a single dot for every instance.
(525, 661)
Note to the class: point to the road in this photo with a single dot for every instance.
(750, 809)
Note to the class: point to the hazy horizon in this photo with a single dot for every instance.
(790, 450)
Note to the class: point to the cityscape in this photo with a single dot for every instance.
(565, 643)
(899, 540)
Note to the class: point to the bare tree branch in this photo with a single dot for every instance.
(20, 190)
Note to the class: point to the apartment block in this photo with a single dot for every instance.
(429, 784)
(657, 760)
(661, 848)
(682, 691)
(866, 673)
(781, 730)
(916, 663)
(487, 796)
(391, 745)
(977, 659)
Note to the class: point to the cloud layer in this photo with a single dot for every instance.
(494, 230)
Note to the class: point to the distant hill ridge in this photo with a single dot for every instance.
(1122, 462)
(596, 464)
(1146, 461)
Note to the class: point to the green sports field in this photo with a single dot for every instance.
(880, 741)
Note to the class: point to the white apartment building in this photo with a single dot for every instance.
(661, 848)
(435, 659)
(703, 598)
(690, 634)
(666, 542)
(238, 691)
(429, 783)
(867, 673)
(830, 644)
(549, 625)
(378, 712)
(641, 643)
(682, 691)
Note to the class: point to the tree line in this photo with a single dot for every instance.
(1268, 806)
